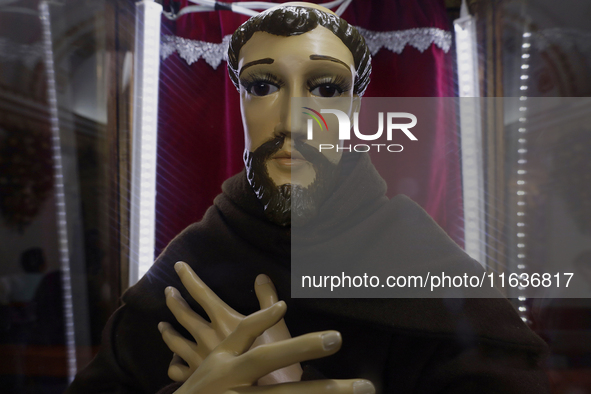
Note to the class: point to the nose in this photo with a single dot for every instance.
(291, 122)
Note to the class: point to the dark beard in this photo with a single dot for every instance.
(289, 204)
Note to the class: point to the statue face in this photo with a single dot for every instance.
(273, 69)
(287, 172)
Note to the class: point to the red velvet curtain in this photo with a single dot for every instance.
(200, 141)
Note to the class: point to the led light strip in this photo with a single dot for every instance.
(62, 227)
(521, 171)
(471, 136)
(144, 138)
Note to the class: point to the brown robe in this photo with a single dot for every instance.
(426, 346)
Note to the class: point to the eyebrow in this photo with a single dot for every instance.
(266, 60)
(329, 58)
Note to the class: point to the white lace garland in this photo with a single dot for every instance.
(193, 50)
(395, 41)
(421, 38)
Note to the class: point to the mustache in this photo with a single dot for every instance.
(269, 148)
(312, 154)
(272, 146)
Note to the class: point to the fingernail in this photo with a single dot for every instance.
(262, 279)
(168, 290)
(161, 327)
(178, 266)
(363, 387)
(331, 340)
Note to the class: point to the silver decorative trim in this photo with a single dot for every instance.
(193, 50)
(395, 41)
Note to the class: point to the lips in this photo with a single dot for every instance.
(284, 154)
(288, 158)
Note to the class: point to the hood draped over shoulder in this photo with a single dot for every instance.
(436, 345)
(235, 242)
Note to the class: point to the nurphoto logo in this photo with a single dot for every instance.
(392, 124)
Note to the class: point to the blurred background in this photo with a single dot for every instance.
(74, 94)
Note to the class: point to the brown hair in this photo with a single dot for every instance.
(295, 20)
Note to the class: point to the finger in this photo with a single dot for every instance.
(177, 370)
(216, 309)
(270, 357)
(192, 321)
(179, 345)
(251, 327)
(352, 386)
(265, 291)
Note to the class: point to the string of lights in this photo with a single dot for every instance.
(60, 198)
(521, 171)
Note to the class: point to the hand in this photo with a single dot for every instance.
(267, 296)
(224, 320)
(231, 368)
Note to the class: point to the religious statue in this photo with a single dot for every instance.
(338, 345)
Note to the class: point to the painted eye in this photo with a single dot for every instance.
(262, 89)
(326, 90)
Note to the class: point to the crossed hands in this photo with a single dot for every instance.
(234, 353)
